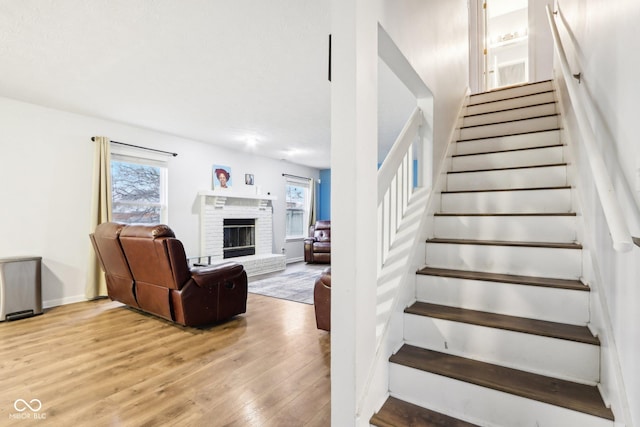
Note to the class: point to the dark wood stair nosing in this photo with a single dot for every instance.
(506, 98)
(508, 135)
(510, 121)
(510, 150)
(550, 165)
(554, 391)
(396, 412)
(549, 245)
(538, 214)
(507, 109)
(562, 187)
(569, 284)
(517, 86)
(542, 328)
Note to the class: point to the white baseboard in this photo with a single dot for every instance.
(63, 301)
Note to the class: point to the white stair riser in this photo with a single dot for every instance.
(510, 128)
(512, 114)
(556, 229)
(532, 157)
(572, 361)
(481, 405)
(523, 101)
(512, 142)
(514, 92)
(535, 302)
(549, 176)
(524, 261)
(525, 201)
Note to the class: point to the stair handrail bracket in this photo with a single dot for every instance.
(620, 235)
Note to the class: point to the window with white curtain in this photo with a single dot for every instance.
(297, 200)
(138, 186)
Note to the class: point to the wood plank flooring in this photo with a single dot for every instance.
(99, 363)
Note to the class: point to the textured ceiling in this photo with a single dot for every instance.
(220, 72)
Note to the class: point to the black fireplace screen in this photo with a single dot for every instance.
(239, 237)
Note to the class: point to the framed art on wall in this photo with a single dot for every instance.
(221, 177)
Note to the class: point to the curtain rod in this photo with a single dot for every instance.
(142, 148)
(296, 176)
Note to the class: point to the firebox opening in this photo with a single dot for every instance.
(239, 237)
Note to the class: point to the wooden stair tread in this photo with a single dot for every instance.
(507, 135)
(506, 88)
(510, 121)
(548, 165)
(505, 278)
(552, 245)
(562, 187)
(505, 214)
(543, 328)
(562, 393)
(510, 150)
(396, 412)
(509, 109)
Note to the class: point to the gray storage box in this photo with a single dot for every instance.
(20, 287)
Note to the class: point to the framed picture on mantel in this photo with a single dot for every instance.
(221, 177)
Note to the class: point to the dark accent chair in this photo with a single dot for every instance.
(317, 247)
(146, 268)
(322, 300)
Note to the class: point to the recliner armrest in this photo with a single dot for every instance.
(204, 276)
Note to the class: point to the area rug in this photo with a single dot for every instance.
(295, 286)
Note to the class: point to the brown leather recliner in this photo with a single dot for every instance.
(317, 247)
(160, 280)
(120, 284)
(322, 300)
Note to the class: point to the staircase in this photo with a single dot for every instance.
(498, 335)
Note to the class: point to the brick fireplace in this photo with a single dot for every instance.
(218, 206)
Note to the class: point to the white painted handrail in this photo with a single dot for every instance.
(620, 234)
(395, 184)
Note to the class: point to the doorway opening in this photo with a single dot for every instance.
(505, 35)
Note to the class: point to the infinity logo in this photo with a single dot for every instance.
(21, 405)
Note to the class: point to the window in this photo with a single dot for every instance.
(139, 190)
(297, 199)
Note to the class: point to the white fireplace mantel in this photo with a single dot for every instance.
(224, 194)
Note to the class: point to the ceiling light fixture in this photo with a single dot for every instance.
(252, 142)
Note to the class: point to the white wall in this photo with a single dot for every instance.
(433, 36)
(540, 42)
(601, 40)
(45, 185)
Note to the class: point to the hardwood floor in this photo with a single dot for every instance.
(102, 364)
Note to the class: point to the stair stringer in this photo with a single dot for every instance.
(396, 290)
(417, 225)
(611, 383)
